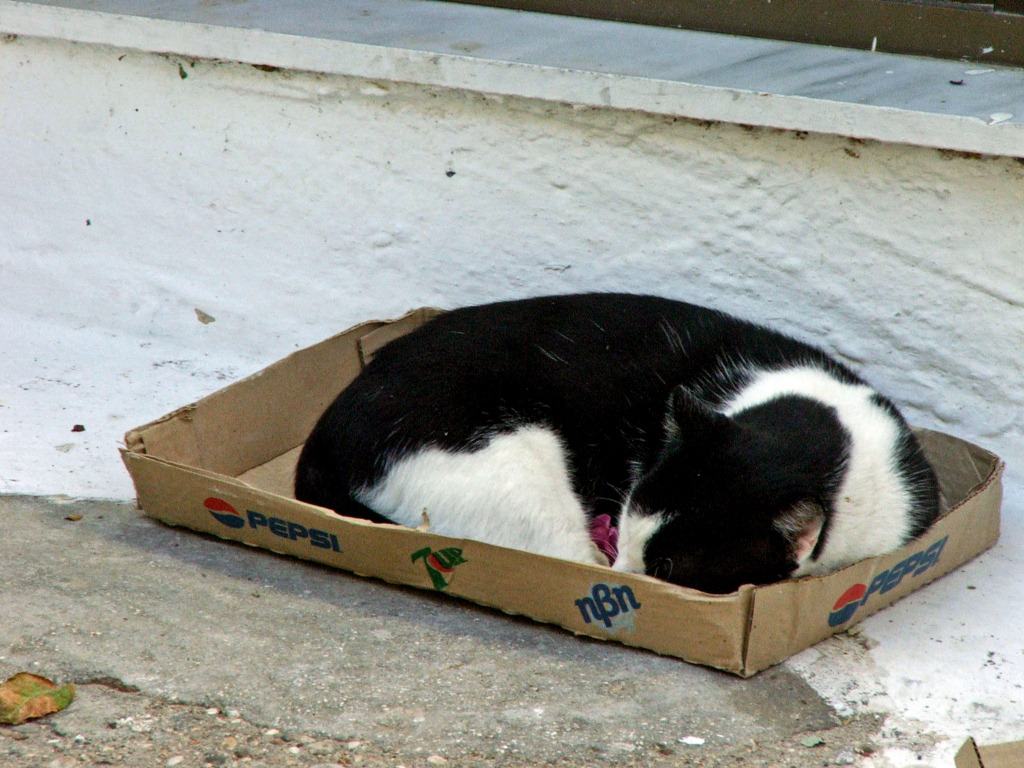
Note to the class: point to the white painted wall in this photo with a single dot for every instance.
(137, 188)
(290, 205)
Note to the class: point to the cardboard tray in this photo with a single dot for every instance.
(224, 465)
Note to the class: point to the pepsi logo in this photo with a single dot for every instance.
(228, 516)
(224, 512)
(858, 594)
(847, 605)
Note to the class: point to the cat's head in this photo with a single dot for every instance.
(722, 506)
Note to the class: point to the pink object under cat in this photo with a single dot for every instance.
(606, 536)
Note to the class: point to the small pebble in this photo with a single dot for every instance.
(176, 760)
(271, 732)
(693, 741)
(213, 711)
(437, 760)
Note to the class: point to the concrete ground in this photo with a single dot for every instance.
(189, 651)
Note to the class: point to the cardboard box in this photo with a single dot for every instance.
(1009, 755)
(224, 465)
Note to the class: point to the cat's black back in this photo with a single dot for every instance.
(596, 368)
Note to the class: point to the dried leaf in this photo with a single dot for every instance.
(26, 697)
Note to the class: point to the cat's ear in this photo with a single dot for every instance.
(690, 415)
(801, 525)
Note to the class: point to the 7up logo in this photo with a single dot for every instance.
(440, 564)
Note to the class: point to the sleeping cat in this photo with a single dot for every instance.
(726, 453)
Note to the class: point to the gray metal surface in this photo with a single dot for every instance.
(820, 72)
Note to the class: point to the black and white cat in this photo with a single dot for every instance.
(726, 453)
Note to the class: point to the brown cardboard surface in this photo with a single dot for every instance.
(277, 475)
(224, 466)
(1009, 755)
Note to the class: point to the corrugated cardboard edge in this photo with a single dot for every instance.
(1009, 755)
(800, 607)
(968, 756)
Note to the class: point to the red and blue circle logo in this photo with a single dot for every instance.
(224, 512)
(847, 605)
